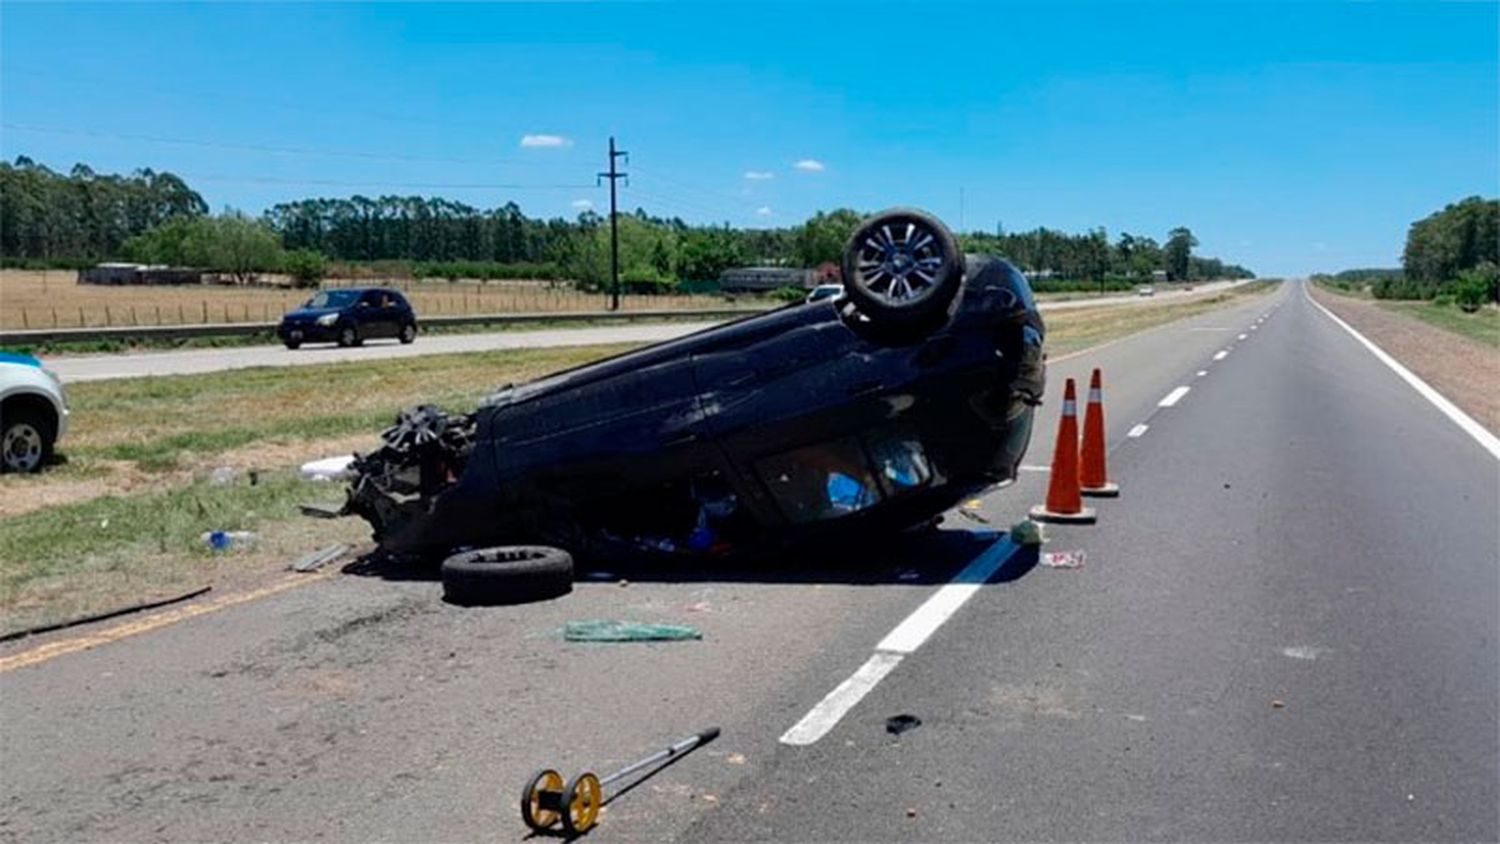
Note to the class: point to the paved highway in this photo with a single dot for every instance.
(190, 361)
(1286, 628)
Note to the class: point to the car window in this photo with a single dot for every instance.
(332, 299)
(823, 481)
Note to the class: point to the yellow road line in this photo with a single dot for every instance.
(52, 650)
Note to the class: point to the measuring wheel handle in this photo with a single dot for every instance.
(542, 800)
(581, 801)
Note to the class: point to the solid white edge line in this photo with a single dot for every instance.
(1138, 430)
(831, 709)
(1173, 397)
(1463, 420)
(926, 619)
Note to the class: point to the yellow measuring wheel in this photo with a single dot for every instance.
(545, 801)
(581, 803)
(540, 803)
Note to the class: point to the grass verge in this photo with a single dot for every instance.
(1482, 326)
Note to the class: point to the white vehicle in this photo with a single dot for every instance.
(1146, 290)
(825, 291)
(33, 413)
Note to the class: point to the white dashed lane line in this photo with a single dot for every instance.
(1243, 336)
(1138, 430)
(1202, 372)
(1173, 397)
(1220, 355)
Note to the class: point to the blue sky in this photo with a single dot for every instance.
(1291, 137)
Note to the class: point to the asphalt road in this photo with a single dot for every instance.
(189, 361)
(1285, 629)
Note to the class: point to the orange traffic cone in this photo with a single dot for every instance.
(1093, 474)
(1064, 498)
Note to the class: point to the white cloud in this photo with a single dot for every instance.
(582, 204)
(759, 175)
(810, 165)
(545, 141)
(764, 211)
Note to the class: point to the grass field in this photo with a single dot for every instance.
(120, 521)
(54, 299)
(1482, 325)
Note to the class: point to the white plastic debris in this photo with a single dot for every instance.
(327, 469)
(1063, 559)
(223, 475)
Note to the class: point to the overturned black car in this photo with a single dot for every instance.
(873, 411)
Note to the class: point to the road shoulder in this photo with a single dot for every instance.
(1466, 372)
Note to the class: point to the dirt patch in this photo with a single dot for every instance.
(1465, 371)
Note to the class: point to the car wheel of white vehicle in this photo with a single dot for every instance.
(349, 336)
(507, 575)
(902, 267)
(26, 442)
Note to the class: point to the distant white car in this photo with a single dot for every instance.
(33, 413)
(825, 291)
(1146, 290)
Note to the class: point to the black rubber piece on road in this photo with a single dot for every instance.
(882, 310)
(515, 574)
(90, 619)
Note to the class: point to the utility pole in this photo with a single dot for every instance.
(614, 223)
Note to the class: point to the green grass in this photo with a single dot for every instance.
(1483, 326)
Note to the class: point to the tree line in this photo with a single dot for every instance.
(1452, 254)
(155, 217)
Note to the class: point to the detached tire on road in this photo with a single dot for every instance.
(515, 574)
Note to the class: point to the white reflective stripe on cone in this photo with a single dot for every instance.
(1096, 395)
(1070, 408)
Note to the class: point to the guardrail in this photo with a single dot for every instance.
(244, 329)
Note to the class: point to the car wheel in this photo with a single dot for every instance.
(292, 344)
(26, 441)
(507, 575)
(408, 332)
(902, 267)
(349, 336)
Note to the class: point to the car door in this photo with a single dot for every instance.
(373, 317)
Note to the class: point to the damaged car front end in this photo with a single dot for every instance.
(869, 412)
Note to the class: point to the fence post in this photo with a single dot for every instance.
(226, 312)
(81, 323)
(25, 320)
(133, 320)
(158, 314)
(181, 319)
(204, 302)
(54, 317)
(109, 319)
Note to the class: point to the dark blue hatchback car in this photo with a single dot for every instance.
(349, 316)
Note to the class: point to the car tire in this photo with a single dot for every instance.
(902, 267)
(292, 344)
(408, 333)
(514, 574)
(349, 336)
(26, 441)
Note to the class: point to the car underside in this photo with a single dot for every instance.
(872, 411)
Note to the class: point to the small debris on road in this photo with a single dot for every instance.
(898, 724)
(735, 758)
(911, 812)
(1276, 704)
(1063, 559)
(320, 558)
(627, 631)
(1028, 532)
(973, 516)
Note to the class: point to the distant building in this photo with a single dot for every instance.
(1159, 276)
(118, 273)
(759, 279)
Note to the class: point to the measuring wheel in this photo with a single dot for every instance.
(541, 802)
(581, 803)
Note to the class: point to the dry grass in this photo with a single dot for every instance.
(54, 299)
